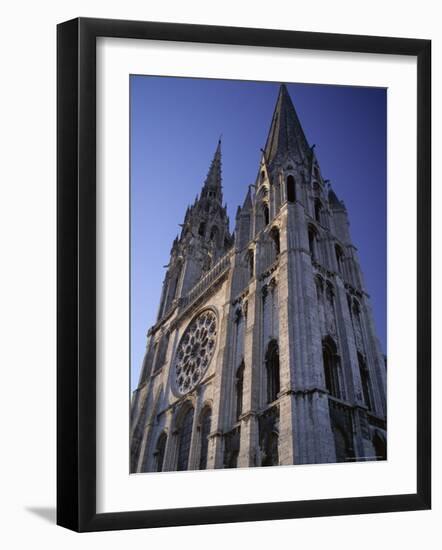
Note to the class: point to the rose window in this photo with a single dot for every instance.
(195, 351)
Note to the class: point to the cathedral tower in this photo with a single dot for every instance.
(264, 351)
(204, 238)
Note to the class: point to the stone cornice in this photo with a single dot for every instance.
(248, 415)
(269, 270)
(302, 392)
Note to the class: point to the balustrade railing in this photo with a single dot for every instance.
(209, 278)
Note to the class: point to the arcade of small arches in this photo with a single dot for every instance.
(262, 196)
(182, 439)
(317, 253)
(289, 195)
(249, 257)
(334, 379)
(213, 234)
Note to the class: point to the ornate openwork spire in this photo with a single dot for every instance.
(286, 137)
(212, 185)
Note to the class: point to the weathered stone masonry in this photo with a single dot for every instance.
(264, 351)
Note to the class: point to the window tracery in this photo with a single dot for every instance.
(195, 351)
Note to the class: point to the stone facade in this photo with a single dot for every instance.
(264, 351)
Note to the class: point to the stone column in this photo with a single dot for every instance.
(286, 440)
(215, 457)
(251, 381)
(195, 443)
(248, 451)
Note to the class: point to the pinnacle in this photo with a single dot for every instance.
(247, 205)
(334, 200)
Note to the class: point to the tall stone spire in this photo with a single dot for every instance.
(286, 137)
(205, 237)
(212, 185)
(208, 204)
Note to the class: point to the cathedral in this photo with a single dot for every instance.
(264, 351)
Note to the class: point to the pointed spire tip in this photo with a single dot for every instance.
(286, 136)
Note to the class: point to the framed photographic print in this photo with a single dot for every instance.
(243, 274)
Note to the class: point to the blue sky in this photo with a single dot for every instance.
(175, 127)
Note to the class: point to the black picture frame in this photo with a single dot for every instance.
(76, 274)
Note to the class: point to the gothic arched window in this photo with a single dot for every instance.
(174, 282)
(319, 283)
(238, 315)
(250, 261)
(290, 183)
(330, 293)
(265, 210)
(331, 367)
(239, 385)
(184, 440)
(272, 368)
(365, 381)
(271, 457)
(202, 229)
(356, 309)
(153, 354)
(233, 459)
(313, 242)
(159, 452)
(231, 448)
(162, 351)
(263, 175)
(343, 445)
(318, 208)
(206, 421)
(214, 234)
(274, 234)
(339, 256)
